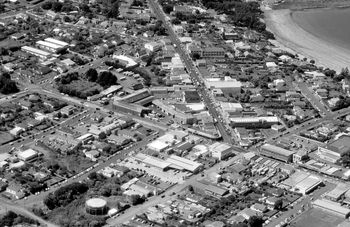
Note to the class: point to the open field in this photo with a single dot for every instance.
(317, 218)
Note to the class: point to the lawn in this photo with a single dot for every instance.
(317, 218)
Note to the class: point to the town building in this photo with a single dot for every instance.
(333, 151)
(276, 152)
(254, 122)
(228, 84)
(37, 52)
(331, 207)
(28, 155)
(220, 151)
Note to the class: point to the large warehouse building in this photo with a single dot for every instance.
(333, 151)
(276, 152)
(37, 52)
(332, 207)
(308, 184)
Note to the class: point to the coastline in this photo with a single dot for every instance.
(290, 36)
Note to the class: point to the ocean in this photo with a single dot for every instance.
(332, 25)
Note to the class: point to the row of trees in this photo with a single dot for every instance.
(57, 6)
(65, 195)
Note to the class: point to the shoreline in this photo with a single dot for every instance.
(290, 36)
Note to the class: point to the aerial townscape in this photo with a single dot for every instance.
(168, 113)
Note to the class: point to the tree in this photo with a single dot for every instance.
(136, 199)
(168, 8)
(102, 136)
(279, 204)
(196, 56)
(91, 75)
(46, 5)
(113, 12)
(57, 6)
(106, 79)
(7, 86)
(255, 221)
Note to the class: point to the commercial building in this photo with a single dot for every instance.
(331, 207)
(27, 155)
(184, 164)
(206, 188)
(213, 52)
(220, 150)
(178, 117)
(254, 122)
(228, 85)
(128, 62)
(57, 42)
(158, 146)
(135, 96)
(130, 108)
(333, 151)
(152, 161)
(153, 46)
(276, 152)
(308, 184)
(37, 52)
(337, 192)
(231, 108)
(52, 47)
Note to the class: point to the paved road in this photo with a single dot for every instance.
(305, 201)
(315, 100)
(194, 73)
(311, 124)
(34, 199)
(137, 210)
(21, 210)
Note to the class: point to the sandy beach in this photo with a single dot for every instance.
(291, 36)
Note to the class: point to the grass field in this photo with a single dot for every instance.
(5, 137)
(317, 218)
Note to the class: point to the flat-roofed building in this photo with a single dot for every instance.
(158, 146)
(57, 42)
(37, 52)
(254, 122)
(276, 152)
(184, 164)
(153, 46)
(130, 108)
(308, 184)
(333, 151)
(213, 52)
(228, 85)
(331, 207)
(28, 155)
(49, 46)
(152, 161)
(204, 187)
(220, 150)
(337, 192)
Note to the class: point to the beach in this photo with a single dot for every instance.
(290, 36)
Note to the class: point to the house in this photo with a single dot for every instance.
(271, 202)
(93, 154)
(15, 190)
(257, 207)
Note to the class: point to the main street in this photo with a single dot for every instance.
(193, 72)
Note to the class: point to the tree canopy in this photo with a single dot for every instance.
(7, 86)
